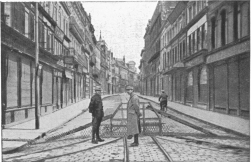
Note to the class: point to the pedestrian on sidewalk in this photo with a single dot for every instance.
(133, 117)
(163, 100)
(96, 108)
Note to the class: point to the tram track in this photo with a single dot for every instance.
(198, 124)
(59, 146)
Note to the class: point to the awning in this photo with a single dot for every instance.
(68, 74)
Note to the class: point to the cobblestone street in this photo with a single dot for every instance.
(186, 144)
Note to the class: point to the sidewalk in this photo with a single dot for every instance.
(234, 123)
(18, 135)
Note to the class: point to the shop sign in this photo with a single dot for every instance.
(69, 60)
(59, 33)
(85, 70)
(57, 73)
(68, 74)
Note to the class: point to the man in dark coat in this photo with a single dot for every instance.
(163, 99)
(96, 108)
(133, 117)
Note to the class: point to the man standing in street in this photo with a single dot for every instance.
(96, 108)
(133, 117)
(163, 100)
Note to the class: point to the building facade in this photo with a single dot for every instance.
(69, 58)
(205, 56)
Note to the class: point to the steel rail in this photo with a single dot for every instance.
(83, 141)
(126, 150)
(202, 121)
(162, 150)
(83, 150)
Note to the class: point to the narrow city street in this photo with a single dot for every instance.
(178, 143)
(123, 81)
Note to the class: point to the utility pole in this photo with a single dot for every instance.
(37, 107)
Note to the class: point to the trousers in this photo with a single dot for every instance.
(96, 121)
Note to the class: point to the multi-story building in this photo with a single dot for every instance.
(152, 48)
(228, 58)
(67, 53)
(104, 64)
(205, 55)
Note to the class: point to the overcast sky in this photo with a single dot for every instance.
(122, 25)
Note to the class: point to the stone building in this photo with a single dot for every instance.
(204, 56)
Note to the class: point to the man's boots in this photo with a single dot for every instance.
(136, 140)
(98, 138)
(94, 141)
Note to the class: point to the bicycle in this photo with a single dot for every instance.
(164, 107)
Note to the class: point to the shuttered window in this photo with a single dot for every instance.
(12, 82)
(47, 85)
(55, 98)
(189, 93)
(244, 84)
(220, 85)
(59, 90)
(26, 83)
(203, 86)
(233, 85)
(33, 83)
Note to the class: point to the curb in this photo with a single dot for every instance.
(220, 127)
(49, 131)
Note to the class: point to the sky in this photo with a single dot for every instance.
(122, 25)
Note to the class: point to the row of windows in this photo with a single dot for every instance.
(197, 40)
(174, 55)
(174, 30)
(56, 11)
(195, 8)
(21, 17)
(228, 27)
(180, 22)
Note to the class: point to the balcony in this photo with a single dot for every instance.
(92, 60)
(75, 29)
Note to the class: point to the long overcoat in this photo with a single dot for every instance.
(133, 115)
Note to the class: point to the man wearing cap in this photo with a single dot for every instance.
(96, 108)
(133, 117)
(163, 99)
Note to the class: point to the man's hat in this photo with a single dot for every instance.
(97, 89)
(129, 88)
